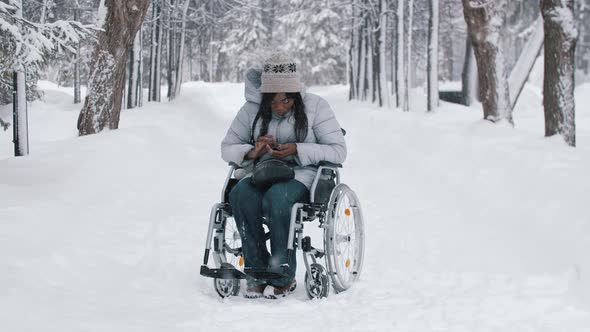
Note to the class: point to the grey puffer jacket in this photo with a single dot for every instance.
(324, 141)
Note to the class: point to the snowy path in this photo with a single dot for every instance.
(470, 226)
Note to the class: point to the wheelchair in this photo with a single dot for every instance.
(333, 204)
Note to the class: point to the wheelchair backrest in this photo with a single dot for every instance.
(326, 179)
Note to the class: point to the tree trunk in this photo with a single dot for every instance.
(180, 59)
(408, 49)
(393, 60)
(134, 59)
(400, 84)
(469, 75)
(171, 45)
(370, 57)
(363, 64)
(156, 52)
(43, 11)
(140, 70)
(77, 83)
(432, 66)
(484, 24)
(20, 114)
(383, 93)
(353, 56)
(102, 106)
(558, 83)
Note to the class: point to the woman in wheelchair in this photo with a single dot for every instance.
(278, 121)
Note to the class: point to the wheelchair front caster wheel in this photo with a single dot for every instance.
(317, 284)
(227, 287)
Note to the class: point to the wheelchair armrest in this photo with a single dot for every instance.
(234, 165)
(329, 164)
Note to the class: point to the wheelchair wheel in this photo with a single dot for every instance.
(344, 238)
(317, 284)
(228, 252)
(233, 245)
(226, 287)
(231, 249)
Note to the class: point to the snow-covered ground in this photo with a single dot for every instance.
(470, 226)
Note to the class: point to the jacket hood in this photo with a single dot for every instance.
(252, 84)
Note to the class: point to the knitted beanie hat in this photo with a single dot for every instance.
(279, 74)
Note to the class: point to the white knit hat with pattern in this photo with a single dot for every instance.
(279, 74)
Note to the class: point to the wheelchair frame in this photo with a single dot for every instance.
(321, 206)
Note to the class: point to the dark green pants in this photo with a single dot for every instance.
(251, 207)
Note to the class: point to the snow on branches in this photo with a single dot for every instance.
(29, 44)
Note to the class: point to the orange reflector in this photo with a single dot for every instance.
(347, 263)
(347, 211)
(241, 262)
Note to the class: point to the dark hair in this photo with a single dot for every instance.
(265, 113)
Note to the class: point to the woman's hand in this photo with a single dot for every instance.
(284, 150)
(261, 147)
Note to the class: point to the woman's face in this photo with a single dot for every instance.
(281, 104)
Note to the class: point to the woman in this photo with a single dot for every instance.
(278, 121)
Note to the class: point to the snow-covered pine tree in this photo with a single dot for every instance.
(558, 86)
(26, 47)
(485, 21)
(102, 106)
(247, 38)
(314, 32)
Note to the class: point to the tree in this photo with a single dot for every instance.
(154, 93)
(27, 46)
(400, 82)
(583, 45)
(102, 106)
(171, 48)
(408, 55)
(134, 86)
(247, 37)
(469, 87)
(317, 44)
(558, 84)
(433, 56)
(180, 59)
(485, 20)
(368, 49)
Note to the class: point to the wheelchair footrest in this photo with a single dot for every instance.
(226, 271)
(268, 274)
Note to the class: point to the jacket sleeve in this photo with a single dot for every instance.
(236, 143)
(330, 144)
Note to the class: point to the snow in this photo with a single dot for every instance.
(471, 226)
(526, 61)
(101, 17)
(564, 17)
